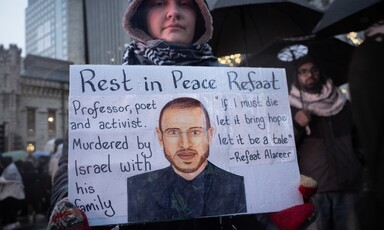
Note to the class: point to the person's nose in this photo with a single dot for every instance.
(184, 140)
(173, 10)
(308, 74)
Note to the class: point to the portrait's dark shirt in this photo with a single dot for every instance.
(164, 195)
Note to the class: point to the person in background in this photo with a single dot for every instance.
(169, 32)
(365, 84)
(54, 161)
(11, 193)
(327, 146)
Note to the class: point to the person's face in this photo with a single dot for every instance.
(172, 20)
(185, 139)
(309, 77)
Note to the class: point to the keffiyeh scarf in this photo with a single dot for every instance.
(328, 103)
(158, 52)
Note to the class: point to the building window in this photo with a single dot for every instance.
(31, 121)
(51, 122)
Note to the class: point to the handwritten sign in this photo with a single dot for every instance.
(113, 115)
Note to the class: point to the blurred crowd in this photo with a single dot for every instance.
(25, 185)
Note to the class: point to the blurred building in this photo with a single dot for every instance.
(55, 29)
(80, 31)
(105, 37)
(33, 99)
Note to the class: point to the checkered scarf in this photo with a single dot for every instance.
(158, 52)
(328, 103)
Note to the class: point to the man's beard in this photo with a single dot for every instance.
(313, 87)
(202, 159)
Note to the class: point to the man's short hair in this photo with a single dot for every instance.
(185, 103)
(301, 61)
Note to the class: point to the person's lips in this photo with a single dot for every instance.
(186, 155)
(173, 26)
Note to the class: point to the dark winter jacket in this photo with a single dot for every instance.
(330, 154)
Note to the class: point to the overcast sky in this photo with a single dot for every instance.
(12, 23)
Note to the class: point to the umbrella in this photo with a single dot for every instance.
(41, 153)
(250, 25)
(331, 54)
(344, 16)
(16, 154)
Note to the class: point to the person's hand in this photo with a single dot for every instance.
(303, 117)
(376, 30)
(297, 216)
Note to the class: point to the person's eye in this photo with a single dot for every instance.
(186, 3)
(314, 70)
(158, 3)
(172, 132)
(302, 71)
(196, 132)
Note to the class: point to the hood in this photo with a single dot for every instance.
(136, 28)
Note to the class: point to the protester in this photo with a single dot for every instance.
(167, 32)
(31, 187)
(365, 84)
(44, 184)
(54, 161)
(11, 193)
(177, 33)
(326, 146)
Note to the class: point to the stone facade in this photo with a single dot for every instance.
(31, 90)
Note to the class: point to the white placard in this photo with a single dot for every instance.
(113, 115)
